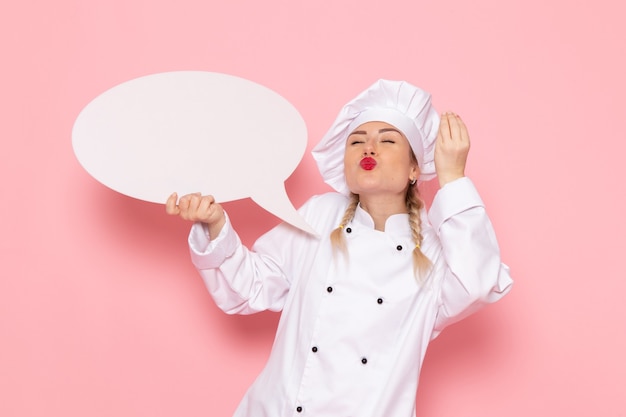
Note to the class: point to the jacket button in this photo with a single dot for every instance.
(379, 301)
(329, 289)
(348, 230)
(299, 409)
(363, 361)
(314, 348)
(399, 247)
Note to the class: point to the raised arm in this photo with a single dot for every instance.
(240, 281)
(470, 269)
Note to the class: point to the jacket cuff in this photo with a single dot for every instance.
(207, 253)
(453, 198)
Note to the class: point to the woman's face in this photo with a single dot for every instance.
(378, 160)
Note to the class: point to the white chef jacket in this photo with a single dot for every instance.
(354, 329)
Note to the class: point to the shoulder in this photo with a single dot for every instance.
(328, 200)
(324, 211)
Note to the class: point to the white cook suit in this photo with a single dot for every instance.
(354, 329)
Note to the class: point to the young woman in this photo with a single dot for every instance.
(361, 302)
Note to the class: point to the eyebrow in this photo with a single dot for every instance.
(386, 129)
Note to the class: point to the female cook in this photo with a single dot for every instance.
(361, 302)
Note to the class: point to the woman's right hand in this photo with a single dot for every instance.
(198, 208)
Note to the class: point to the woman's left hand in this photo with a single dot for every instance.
(451, 148)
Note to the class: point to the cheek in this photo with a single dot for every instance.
(403, 170)
(348, 171)
(351, 159)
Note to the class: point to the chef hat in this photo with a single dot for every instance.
(398, 103)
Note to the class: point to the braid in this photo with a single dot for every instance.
(414, 205)
(336, 236)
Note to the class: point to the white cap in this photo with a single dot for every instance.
(398, 103)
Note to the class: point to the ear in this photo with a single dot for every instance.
(414, 173)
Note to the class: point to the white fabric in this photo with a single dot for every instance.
(398, 103)
(290, 270)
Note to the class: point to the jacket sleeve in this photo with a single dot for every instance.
(472, 274)
(242, 280)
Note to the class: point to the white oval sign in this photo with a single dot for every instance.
(193, 131)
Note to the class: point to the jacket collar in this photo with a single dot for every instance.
(395, 225)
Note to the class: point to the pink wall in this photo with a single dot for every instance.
(101, 312)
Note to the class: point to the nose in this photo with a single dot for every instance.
(370, 148)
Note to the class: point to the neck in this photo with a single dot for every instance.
(381, 207)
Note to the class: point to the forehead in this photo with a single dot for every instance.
(374, 126)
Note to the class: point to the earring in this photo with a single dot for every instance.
(413, 181)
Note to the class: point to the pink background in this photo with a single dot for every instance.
(101, 312)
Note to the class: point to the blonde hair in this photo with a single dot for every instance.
(414, 204)
(336, 236)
